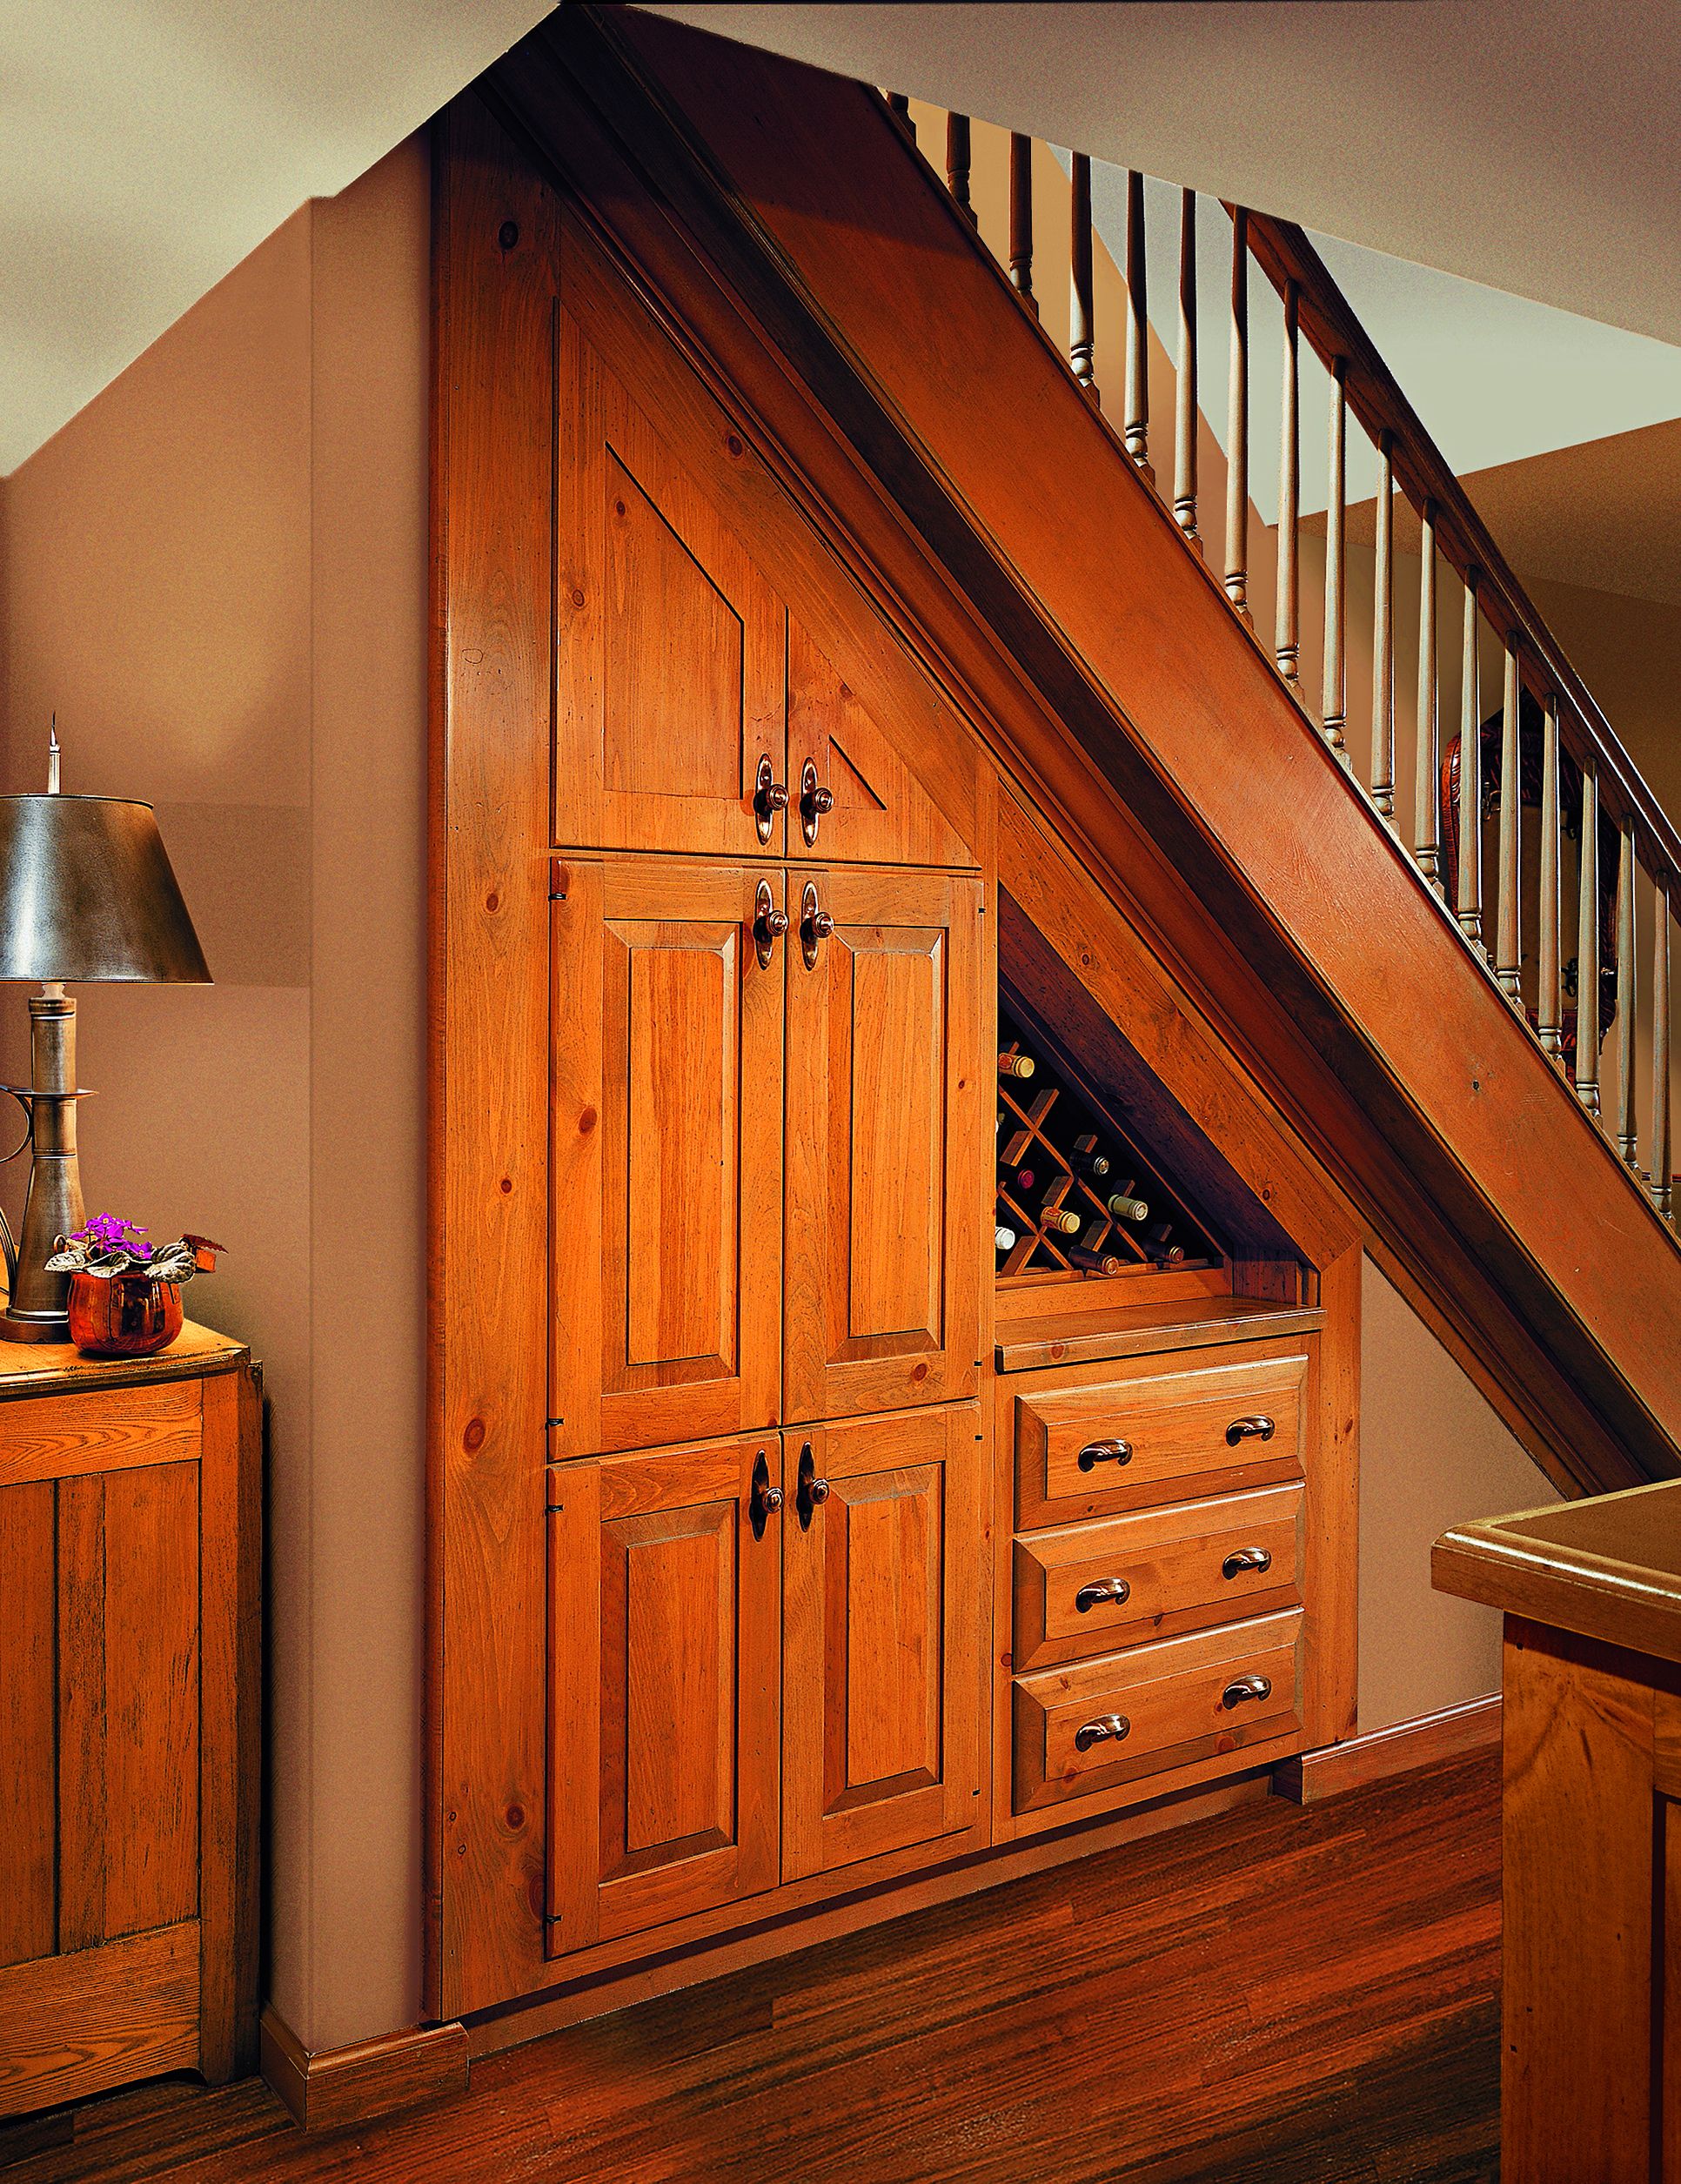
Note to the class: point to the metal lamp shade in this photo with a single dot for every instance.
(87, 893)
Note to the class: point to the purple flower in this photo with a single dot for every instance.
(106, 1233)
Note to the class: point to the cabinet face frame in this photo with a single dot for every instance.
(885, 1583)
(885, 1116)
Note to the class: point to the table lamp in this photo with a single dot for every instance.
(86, 894)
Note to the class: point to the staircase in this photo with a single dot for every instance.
(1509, 1148)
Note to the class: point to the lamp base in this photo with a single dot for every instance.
(33, 1330)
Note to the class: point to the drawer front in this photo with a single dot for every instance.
(100, 1429)
(1101, 1723)
(1087, 1589)
(1151, 1437)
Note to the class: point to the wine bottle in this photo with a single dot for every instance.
(1093, 1262)
(1016, 1065)
(1002, 1238)
(1124, 1206)
(1088, 1161)
(1059, 1222)
(1024, 1179)
(1163, 1254)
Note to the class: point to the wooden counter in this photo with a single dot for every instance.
(1591, 1595)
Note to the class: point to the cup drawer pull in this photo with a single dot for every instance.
(1255, 1429)
(1245, 1560)
(1107, 1592)
(1096, 1452)
(1105, 1729)
(1246, 1687)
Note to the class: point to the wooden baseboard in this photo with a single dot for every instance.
(1327, 1773)
(336, 2086)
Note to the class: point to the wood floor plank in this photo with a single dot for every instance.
(1284, 1992)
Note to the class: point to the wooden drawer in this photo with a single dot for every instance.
(1156, 1707)
(1179, 1569)
(1157, 1436)
(102, 1429)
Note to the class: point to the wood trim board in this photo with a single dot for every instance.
(1356, 1765)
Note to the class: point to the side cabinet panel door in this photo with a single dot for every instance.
(664, 1672)
(667, 1114)
(885, 1546)
(670, 652)
(885, 1116)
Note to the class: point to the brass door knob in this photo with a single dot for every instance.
(769, 923)
(816, 800)
(816, 925)
(1246, 1687)
(1245, 1558)
(1107, 1593)
(769, 797)
(1096, 1452)
(1257, 1429)
(1106, 1729)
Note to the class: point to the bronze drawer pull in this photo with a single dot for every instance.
(1259, 1429)
(1246, 1558)
(1105, 1727)
(1096, 1452)
(769, 797)
(1109, 1592)
(1246, 1687)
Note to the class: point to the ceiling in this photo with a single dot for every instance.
(146, 146)
(1527, 143)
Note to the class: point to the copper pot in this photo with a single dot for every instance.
(126, 1315)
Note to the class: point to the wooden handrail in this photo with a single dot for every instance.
(1327, 321)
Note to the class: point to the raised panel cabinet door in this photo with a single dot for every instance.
(885, 1110)
(665, 1651)
(667, 1114)
(670, 661)
(884, 1549)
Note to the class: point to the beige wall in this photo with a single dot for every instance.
(216, 575)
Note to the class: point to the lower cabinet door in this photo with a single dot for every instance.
(884, 1536)
(665, 1645)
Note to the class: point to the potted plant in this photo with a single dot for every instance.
(125, 1293)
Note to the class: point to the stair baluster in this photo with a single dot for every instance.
(901, 106)
(1185, 410)
(1383, 652)
(1658, 1182)
(1136, 431)
(1021, 266)
(1550, 994)
(957, 160)
(1628, 1131)
(1081, 321)
(1287, 640)
(1587, 947)
(1509, 939)
(1334, 694)
(1426, 825)
(1470, 903)
(1237, 422)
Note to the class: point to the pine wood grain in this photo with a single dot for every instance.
(1320, 1987)
(53, 1437)
(75, 2024)
(28, 1729)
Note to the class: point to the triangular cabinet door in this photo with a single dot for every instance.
(665, 1653)
(886, 1111)
(670, 710)
(884, 1560)
(665, 1106)
(852, 795)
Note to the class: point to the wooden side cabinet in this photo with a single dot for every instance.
(130, 1628)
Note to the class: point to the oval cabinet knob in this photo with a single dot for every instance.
(1107, 1728)
(1244, 1560)
(764, 1499)
(770, 923)
(810, 1492)
(816, 800)
(1104, 1594)
(769, 797)
(816, 924)
(1244, 1688)
(1255, 1429)
(1096, 1452)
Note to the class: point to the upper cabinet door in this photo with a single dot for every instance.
(671, 703)
(885, 1110)
(667, 1116)
(884, 1556)
(665, 1647)
(852, 795)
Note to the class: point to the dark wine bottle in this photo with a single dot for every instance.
(1093, 1262)
(1086, 1160)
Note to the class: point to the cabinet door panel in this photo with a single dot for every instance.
(28, 1707)
(671, 657)
(884, 1123)
(667, 1116)
(664, 1674)
(884, 1678)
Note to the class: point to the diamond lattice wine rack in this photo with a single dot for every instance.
(1076, 1194)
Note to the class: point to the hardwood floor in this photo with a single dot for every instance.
(1281, 1996)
